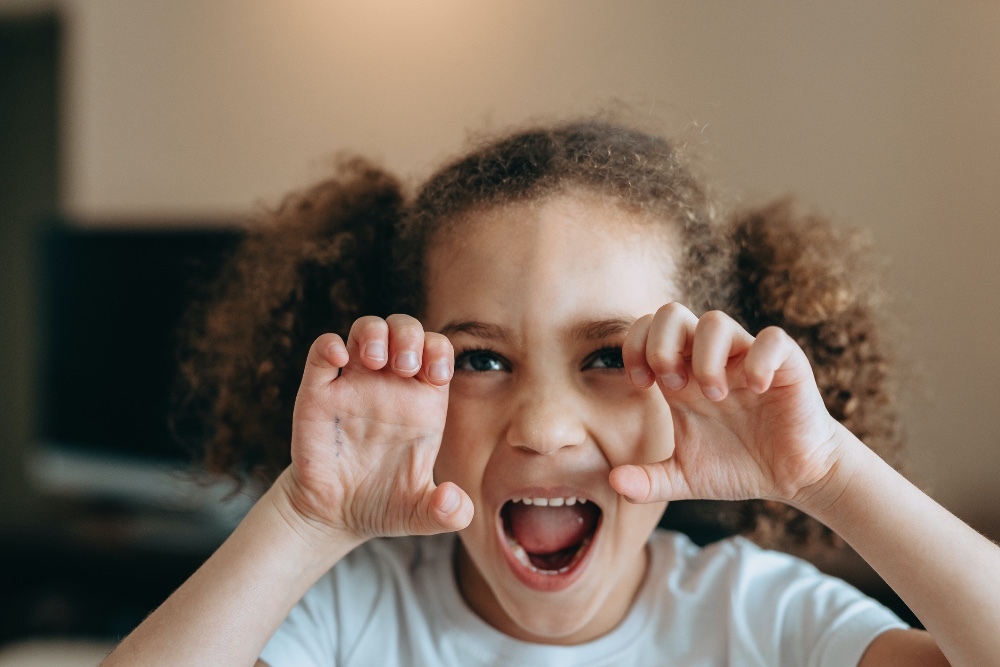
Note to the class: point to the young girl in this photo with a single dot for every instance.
(510, 374)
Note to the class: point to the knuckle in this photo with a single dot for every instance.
(324, 345)
(324, 340)
(370, 326)
(635, 340)
(755, 369)
(438, 343)
(660, 361)
(636, 336)
(774, 334)
(708, 374)
(638, 330)
(405, 331)
(633, 345)
(655, 487)
(402, 320)
(714, 319)
(671, 309)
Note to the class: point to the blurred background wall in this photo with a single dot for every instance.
(884, 116)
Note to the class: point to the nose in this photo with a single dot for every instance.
(546, 419)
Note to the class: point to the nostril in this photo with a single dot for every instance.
(540, 444)
(545, 427)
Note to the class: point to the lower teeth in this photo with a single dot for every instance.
(522, 557)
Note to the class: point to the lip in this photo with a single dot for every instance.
(547, 583)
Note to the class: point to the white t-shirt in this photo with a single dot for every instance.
(396, 602)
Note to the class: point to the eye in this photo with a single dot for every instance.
(480, 361)
(605, 358)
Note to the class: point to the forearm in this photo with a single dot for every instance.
(226, 612)
(947, 573)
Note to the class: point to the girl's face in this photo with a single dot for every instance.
(537, 299)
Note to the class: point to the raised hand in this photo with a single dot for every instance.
(749, 421)
(366, 430)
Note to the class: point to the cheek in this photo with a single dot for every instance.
(636, 522)
(640, 432)
(463, 454)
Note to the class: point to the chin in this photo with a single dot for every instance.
(558, 625)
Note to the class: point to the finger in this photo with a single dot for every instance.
(438, 359)
(650, 482)
(634, 353)
(369, 341)
(444, 509)
(772, 350)
(670, 343)
(717, 339)
(406, 344)
(326, 357)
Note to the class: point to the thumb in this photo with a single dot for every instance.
(650, 482)
(446, 508)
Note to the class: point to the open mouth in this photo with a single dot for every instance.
(550, 536)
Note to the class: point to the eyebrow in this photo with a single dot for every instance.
(586, 331)
(478, 329)
(601, 329)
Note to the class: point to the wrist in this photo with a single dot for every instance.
(319, 537)
(849, 458)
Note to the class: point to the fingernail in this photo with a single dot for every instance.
(439, 370)
(450, 502)
(712, 393)
(672, 380)
(407, 361)
(640, 377)
(375, 350)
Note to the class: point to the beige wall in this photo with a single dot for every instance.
(885, 115)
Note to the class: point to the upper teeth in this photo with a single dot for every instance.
(551, 502)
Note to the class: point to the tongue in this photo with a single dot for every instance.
(545, 530)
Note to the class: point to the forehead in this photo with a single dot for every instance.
(562, 260)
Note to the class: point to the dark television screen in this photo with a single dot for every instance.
(112, 302)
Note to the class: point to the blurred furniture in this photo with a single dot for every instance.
(54, 653)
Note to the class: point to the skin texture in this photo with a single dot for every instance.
(554, 415)
(393, 434)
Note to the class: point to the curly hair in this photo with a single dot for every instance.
(355, 244)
